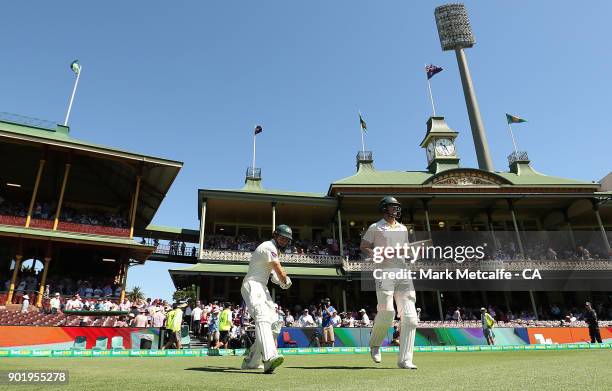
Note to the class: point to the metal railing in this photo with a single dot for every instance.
(518, 156)
(510, 265)
(245, 256)
(364, 156)
(253, 173)
(166, 249)
(28, 121)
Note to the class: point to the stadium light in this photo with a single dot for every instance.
(455, 34)
(13, 184)
(108, 260)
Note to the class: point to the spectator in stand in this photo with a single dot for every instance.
(365, 319)
(336, 320)
(590, 317)
(158, 318)
(107, 291)
(306, 319)
(457, 315)
(183, 246)
(213, 329)
(122, 322)
(55, 303)
(25, 303)
(196, 315)
(125, 305)
(289, 318)
(141, 319)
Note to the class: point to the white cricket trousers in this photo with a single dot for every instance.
(261, 307)
(405, 297)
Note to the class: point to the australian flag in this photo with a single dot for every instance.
(258, 129)
(432, 70)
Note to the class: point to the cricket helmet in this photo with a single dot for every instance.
(284, 231)
(390, 201)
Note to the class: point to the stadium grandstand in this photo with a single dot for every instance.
(74, 216)
(522, 215)
(69, 210)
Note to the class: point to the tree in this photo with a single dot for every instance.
(188, 294)
(135, 294)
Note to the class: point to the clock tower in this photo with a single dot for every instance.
(439, 145)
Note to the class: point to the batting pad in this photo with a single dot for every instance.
(382, 322)
(265, 340)
(408, 326)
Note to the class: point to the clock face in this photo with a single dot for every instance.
(445, 147)
(430, 151)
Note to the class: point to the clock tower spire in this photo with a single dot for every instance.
(439, 145)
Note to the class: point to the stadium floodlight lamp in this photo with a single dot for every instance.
(13, 184)
(454, 27)
(108, 260)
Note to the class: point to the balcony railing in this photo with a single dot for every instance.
(364, 156)
(510, 265)
(253, 173)
(518, 156)
(245, 256)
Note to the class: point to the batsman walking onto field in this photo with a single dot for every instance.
(265, 261)
(389, 232)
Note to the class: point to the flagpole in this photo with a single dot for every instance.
(254, 141)
(433, 108)
(512, 135)
(76, 83)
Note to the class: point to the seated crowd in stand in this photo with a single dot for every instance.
(46, 211)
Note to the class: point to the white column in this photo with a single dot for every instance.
(340, 233)
(202, 228)
(344, 299)
(273, 216)
(604, 236)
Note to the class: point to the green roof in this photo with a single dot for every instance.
(367, 175)
(171, 230)
(60, 137)
(241, 269)
(526, 175)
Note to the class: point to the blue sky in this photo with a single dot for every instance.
(188, 80)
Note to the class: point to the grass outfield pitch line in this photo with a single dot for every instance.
(522, 370)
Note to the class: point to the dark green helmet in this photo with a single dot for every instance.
(284, 231)
(386, 201)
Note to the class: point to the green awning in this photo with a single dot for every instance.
(137, 251)
(224, 269)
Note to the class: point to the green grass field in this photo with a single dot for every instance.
(531, 370)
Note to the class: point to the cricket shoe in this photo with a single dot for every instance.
(406, 365)
(248, 362)
(273, 363)
(375, 353)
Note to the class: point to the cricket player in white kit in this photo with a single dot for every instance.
(388, 232)
(265, 261)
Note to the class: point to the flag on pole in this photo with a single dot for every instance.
(432, 70)
(512, 119)
(362, 123)
(258, 129)
(76, 67)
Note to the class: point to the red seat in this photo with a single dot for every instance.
(287, 341)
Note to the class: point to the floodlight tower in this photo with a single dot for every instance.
(456, 34)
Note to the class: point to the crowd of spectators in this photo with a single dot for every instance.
(46, 211)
